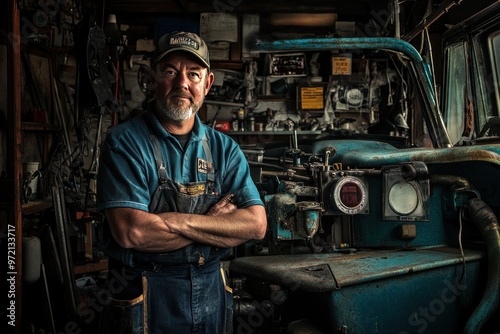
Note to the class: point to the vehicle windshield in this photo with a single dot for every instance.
(457, 90)
(471, 100)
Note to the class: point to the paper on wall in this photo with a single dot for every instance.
(219, 27)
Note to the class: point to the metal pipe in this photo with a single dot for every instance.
(59, 111)
(429, 20)
(487, 223)
(244, 307)
(263, 164)
(64, 249)
(455, 182)
(397, 23)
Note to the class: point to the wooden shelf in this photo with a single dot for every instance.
(36, 206)
(235, 65)
(223, 103)
(33, 126)
(90, 267)
(272, 133)
(30, 207)
(274, 98)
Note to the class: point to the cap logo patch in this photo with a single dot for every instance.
(184, 40)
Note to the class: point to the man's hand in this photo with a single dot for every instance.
(223, 206)
(224, 225)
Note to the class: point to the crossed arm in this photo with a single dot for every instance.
(223, 226)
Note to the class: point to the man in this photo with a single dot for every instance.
(177, 195)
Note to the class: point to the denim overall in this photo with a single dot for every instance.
(183, 291)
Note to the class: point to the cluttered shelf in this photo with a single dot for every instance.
(273, 133)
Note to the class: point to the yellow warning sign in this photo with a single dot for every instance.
(311, 98)
(341, 65)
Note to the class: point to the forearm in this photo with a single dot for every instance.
(157, 242)
(223, 230)
(223, 226)
(143, 231)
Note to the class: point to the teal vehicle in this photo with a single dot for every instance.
(387, 221)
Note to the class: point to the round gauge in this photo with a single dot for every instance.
(403, 198)
(349, 195)
(354, 97)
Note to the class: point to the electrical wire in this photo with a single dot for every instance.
(460, 245)
(431, 63)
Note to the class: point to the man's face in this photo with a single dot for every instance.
(182, 86)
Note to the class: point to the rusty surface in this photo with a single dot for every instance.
(328, 272)
(362, 153)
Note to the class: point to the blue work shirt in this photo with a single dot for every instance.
(128, 173)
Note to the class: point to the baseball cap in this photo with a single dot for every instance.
(183, 41)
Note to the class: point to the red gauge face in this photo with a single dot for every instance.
(349, 195)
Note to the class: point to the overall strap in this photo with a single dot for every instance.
(208, 154)
(160, 166)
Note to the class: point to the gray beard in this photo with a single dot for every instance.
(175, 112)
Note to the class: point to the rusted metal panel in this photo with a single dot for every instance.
(436, 301)
(328, 272)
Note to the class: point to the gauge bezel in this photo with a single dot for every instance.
(337, 198)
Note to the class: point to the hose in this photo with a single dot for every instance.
(486, 221)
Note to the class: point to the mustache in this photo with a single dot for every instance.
(180, 94)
